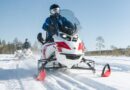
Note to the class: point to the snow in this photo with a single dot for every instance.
(16, 74)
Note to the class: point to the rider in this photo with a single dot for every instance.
(26, 44)
(54, 22)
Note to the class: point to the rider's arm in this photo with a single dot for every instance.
(46, 24)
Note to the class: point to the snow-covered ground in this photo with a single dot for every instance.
(18, 74)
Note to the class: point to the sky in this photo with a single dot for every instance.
(107, 18)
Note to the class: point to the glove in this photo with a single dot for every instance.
(40, 38)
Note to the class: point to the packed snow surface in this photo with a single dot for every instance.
(19, 74)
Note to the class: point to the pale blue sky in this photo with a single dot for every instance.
(107, 18)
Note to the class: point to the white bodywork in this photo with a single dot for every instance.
(23, 53)
(50, 48)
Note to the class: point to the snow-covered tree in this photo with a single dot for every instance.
(100, 43)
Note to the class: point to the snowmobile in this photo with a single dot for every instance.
(23, 53)
(67, 50)
(27, 52)
(18, 54)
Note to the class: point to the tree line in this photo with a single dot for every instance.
(114, 52)
(100, 45)
(11, 47)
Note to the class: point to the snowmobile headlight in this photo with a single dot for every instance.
(64, 36)
(75, 38)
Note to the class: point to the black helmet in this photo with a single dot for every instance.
(54, 8)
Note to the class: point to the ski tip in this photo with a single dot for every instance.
(106, 71)
(41, 76)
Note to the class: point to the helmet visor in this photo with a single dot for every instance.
(55, 10)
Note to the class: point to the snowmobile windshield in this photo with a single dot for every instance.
(72, 25)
